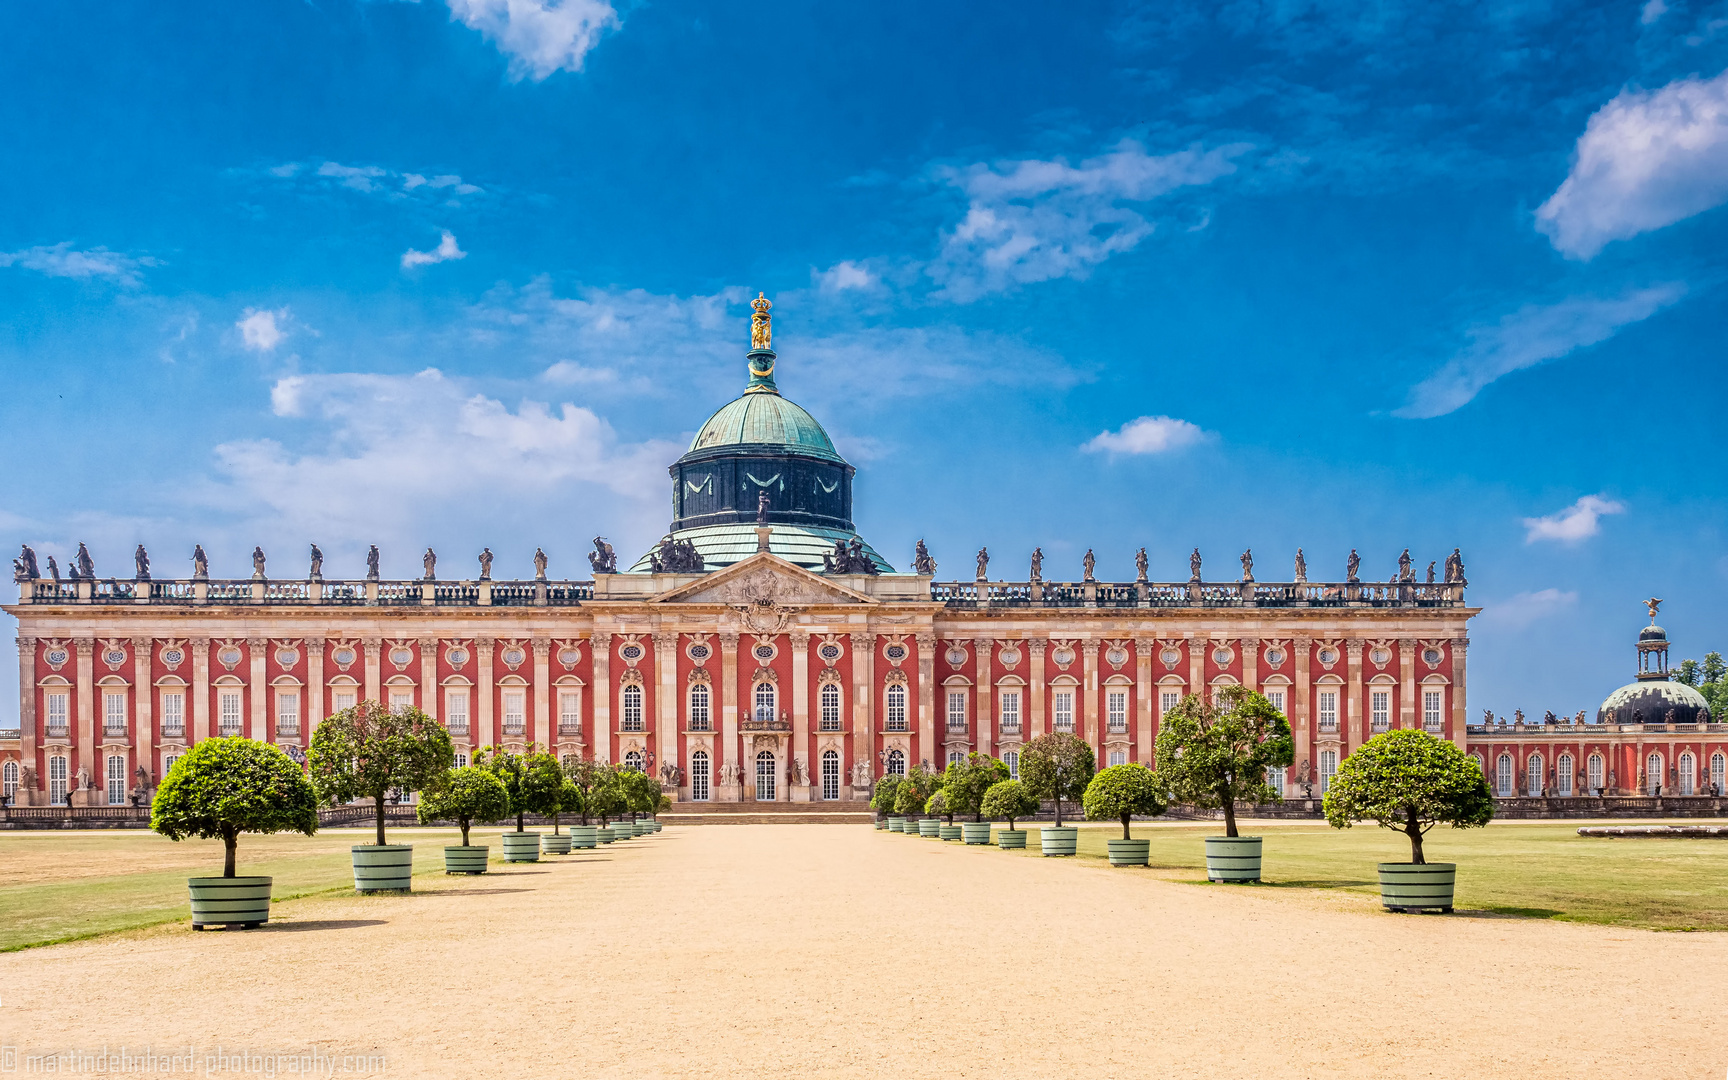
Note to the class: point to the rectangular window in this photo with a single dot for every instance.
(1062, 704)
(1275, 779)
(1118, 757)
(1167, 701)
(1380, 709)
(1431, 714)
(116, 781)
(228, 713)
(1328, 769)
(174, 715)
(1116, 711)
(401, 699)
(1012, 760)
(288, 712)
(461, 760)
(1010, 712)
(9, 779)
(342, 699)
(114, 714)
(1563, 775)
(456, 711)
(168, 761)
(569, 712)
(895, 696)
(515, 712)
(57, 712)
(1328, 710)
(701, 713)
(829, 703)
(57, 781)
(1594, 769)
(956, 710)
(1276, 697)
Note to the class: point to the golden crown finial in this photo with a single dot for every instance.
(761, 323)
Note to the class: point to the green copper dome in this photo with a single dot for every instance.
(761, 416)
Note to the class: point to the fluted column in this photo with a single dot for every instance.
(374, 681)
(84, 755)
(1460, 717)
(863, 722)
(985, 710)
(926, 726)
(730, 750)
(257, 655)
(143, 708)
(1037, 722)
(1408, 717)
(485, 693)
(601, 653)
(27, 733)
(1353, 734)
(430, 702)
(1089, 710)
(800, 750)
(1143, 694)
(200, 688)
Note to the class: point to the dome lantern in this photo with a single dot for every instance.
(1654, 698)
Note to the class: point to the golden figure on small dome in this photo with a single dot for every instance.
(761, 329)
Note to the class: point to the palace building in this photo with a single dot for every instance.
(762, 652)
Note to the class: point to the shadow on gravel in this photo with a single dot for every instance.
(318, 924)
(470, 892)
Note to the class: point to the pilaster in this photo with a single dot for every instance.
(1408, 717)
(1300, 708)
(27, 733)
(314, 684)
(431, 702)
(1144, 736)
(1089, 699)
(84, 755)
(1037, 721)
(666, 699)
(1250, 663)
(1353, 721)
(257, 655)
(1460, 715)
(800, 749)
(200, 688)
(730, 760)
(143, 708)
(1196, 667)
(540, 731)
(601, 653)
(986, 699)
(863, 720)
(926, 725)
(372, 648)
(486, 692)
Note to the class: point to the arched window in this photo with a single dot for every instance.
(765, 776)
(631, 718)
(699, 776)
(461, 762)
(1275, 779)
(830, 704)
(764, 699)
(9, 780)
(894, 702)
(1593, 773)
(896, 763)
(956, 757)
(830, 774)
(116, 780)
(701, 718)
(57, 780)
(1118, 757)
(569, 761)
(1653, 774)
(1533, 775)
(1012, 760)
(1688, 774)
(1328, 769)
(633, 761)
(1718, 774)
(1505, 787)
(1563, 775)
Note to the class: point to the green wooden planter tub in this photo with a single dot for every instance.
(975, 832)
(897, 824)
(1011, 839)
(1129, 852)
(558, 844)
(1063, 841)
(466, 860)
(930, 828)
(383, 868)
(521, 847)
(584, 836)
(229, 901)
(1418, 887)
(1233, 858)
(949, 832)
(880, 824)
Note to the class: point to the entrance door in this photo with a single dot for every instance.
(699, 776)
(830, 774)
(765, 776)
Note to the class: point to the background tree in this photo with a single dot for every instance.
(466, 795)
(1122, 792)
(882, 796)
(368, 751)
(533, 780)
(1057, 766)
(583, 774)
(569, 802)
(1409, 781)
(606, 797)
(1213, 754)
(1008, 799)
(915, 789)
(965, 782)
(937, 805)
(641, 791)
(221, 788)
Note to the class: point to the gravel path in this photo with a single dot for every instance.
(818, 951)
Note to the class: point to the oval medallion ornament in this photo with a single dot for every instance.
(401, 657)
(1431, 657)
(1328, 656)
(570, 657)
(515, 656)
(1222, 657)
(1274, 657)
(457, 657)
(956, 656)
(1063, 656)
(229, 657)
(56, 657)
(1117, 657)
(172, 657)
(829, 652)
(114, 657)
(895, 653)
(763, 652)
(287, 657)
(1009, 657)
(1171, 657)
(343, 656)
(699, 652)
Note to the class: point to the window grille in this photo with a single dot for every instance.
(830, 709)
(896, 763)
(765, 776)
(895, 707)
(701, 717)
(1116, 712)
(1432, 715)
(116, 780)
(630, 716)
(174, 715)
(1062, 705)
(1010, 712)
(699, 776)
(830, 774)
(633, 761)
(228, 713)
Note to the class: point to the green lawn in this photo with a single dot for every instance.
(1533, 869)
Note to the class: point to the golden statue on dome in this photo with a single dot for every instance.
(761, 328)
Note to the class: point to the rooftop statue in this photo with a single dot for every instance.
(1248, 565)
(429, 563)
(983, 563)
(1194, 566)
(86, 565)
(921, 561)
(1140, 564)
(539, 565)
(676, 557)
(486, 564)
(1301, 568)
(1455, 568)
(1431, 572)
(1086, 565)
(1652, 604)
(28, 555)
(53, 568)
(602, 558)
(315, 572)
(761, 508)
(1351, 566)
(257, 563)
(1037, 564)
(141, 564)
(372, 563)
(200, 562)
(1404, 571)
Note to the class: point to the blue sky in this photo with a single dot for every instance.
(1225, 275)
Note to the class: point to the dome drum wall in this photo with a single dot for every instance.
(723, 487)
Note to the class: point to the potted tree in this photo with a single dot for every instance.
(1213, 754)
(534, 783)
(221, 788)
(882, 801)
(568, 800)
(466, 795)
(583, 774)
(937, 805)
(1009, 799)
(1121, 792)
(641, 796)
(1410, 781)
(914, 791)
(1057, 766)
(605, 800)
(964, 785)
(661, 805)
(368, 751)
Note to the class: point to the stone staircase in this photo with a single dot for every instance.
(840, 812)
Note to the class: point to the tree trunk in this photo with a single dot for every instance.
(229, 843)
(1126, 835)
(1058, 812)
(1413, 829)
(378, 805)
(1229, 815)
(554, 824)
(518, 821)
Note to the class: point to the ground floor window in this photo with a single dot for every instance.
(1653, 774)
(1118, 757)
(1328, 769)
(1593, 773)
(1275, 779)
(1718, 767)
(116, 780)
(9, 780)
(1533, 775)
(896, 763)
(955, 757)
(633, 761)
(1012, 760)
(57, 781)
(765, 776)
(168, 761)
(830, 774)
(461, 760)
(699, 776)
(1563, 774)
(1504, 787)
(1688, 774)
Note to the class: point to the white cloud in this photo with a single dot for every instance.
(1646, 159)
(1653, 11)
(1527, 337)
(842, 276)
(258, 329)
(444, 252)
(539, 36)
(375, 180)
(62, 260)
(1034, 220)
(1526, 608)
(1146, 435)
(1576, 522)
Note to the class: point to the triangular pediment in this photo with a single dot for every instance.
(766, 581)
